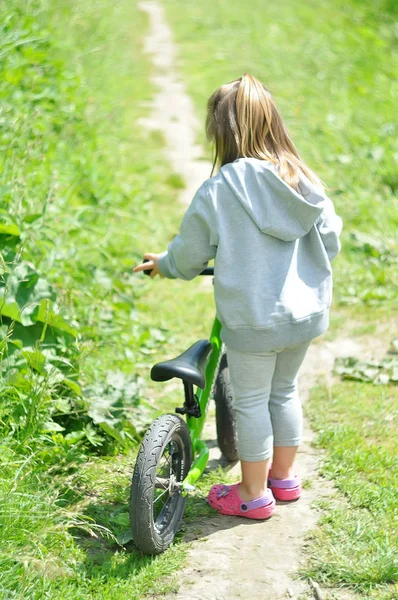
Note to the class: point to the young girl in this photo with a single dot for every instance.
(265, 219)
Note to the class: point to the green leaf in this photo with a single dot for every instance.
(25, 287)
(9, 310)
(38, 313)
(112, 431)
(54, 320)
(17, 343)
(33, 217)
(125, 537)
(10, 229)
(72, 385)
(35, 359)
(120, 519)
(75, 436)
(26, 299)
(63, 406)
(379, 373)
(131, 430)
(52, 426)
(92, 436)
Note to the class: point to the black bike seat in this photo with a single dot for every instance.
(189, 366)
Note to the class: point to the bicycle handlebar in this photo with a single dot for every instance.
(206, 271)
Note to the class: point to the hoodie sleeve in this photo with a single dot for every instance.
(329, 226)
(196, 244)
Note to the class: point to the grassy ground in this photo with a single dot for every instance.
(80, 187)
(332, 68)
(355, 544)
(85, 187)
(330, 82)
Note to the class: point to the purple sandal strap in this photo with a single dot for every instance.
(284, 484)
(258, 503)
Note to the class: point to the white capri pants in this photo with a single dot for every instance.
(267, 406)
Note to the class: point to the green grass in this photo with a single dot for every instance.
(86, 190)
(355, 544)
(81, 183)
(66, 536)
(332, 68)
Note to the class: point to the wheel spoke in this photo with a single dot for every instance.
(164, 454)
(160, 495)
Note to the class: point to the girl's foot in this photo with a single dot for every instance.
(286, 489)
(226, 500)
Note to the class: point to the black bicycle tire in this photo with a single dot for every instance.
(225, 419)
(145, 534)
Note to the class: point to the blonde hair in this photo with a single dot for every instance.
(243, 121)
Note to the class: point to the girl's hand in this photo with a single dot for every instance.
(150, 265)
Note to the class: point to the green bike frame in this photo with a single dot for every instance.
(195, 424)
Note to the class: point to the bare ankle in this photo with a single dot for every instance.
(251, 492)
(282, 473)
(254, 479)
(283, 462)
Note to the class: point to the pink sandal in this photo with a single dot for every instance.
(226, 499)
(286, 489)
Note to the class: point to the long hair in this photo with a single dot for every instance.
(243, 122)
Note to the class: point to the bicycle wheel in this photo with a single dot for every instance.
(156, 502)
(225, 419)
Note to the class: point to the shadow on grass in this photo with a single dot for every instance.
(114, 555)
(117, 555)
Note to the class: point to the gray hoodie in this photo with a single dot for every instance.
(272, 248)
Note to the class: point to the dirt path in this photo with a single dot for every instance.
(231, 557)
(173, 112)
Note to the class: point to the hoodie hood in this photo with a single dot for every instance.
(276, 208)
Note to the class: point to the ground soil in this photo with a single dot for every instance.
(231, 557)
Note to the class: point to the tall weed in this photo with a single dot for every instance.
(77, 180)
(67, 194)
